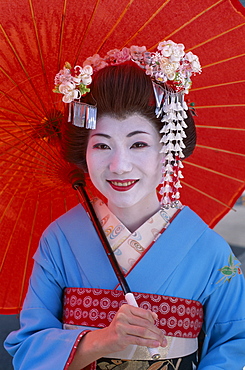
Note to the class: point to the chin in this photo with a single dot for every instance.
(122, 205)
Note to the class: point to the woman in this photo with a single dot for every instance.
(164, 249)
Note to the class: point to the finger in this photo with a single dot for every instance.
(145, 332)
(130, 298)
(141, 312)
(139, 322)
(129, 320)
(143, 318)
(141, 341)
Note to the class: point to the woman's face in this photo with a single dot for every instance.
(124, 162)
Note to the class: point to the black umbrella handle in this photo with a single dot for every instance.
(109, 252)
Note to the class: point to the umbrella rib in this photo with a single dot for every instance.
(28, 131)
(18, 87)
(49, 159)
(213, 171)
(16, 112)
(188, 22)
(39, 49)
(28, 254)
(62, 28)
(9, 308)
(223, 60)
(220, 106)
(207, 195)
(147, 22)
(15, 225)
(32, 167)
(19, 123)
(115, 25)
(25, 139)
(18, 173)
(50, 167)
(49, 183)
(221, 128)
(25, 134)
(14, 51)
(217, 36)
(220, 150)
(10, 239)
(21, 64)
(31, 180)
(17, 187)
(87, 29)
(20, 140)
(218, 85)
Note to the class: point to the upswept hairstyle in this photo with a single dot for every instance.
(119, 91)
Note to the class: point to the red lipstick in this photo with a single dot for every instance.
(122, 185)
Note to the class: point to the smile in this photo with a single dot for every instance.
(122, 185)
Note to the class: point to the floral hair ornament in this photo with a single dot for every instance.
(73, 87)
(170, 69)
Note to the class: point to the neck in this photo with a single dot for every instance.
(134, 217)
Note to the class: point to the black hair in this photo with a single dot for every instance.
(119, 91)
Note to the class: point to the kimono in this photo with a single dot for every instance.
(187, 260)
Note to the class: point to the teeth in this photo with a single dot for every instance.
(118, 183)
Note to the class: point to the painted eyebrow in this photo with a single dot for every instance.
(137, 132)
(129, 135)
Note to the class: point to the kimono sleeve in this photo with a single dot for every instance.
(41, 343)
(224, 343)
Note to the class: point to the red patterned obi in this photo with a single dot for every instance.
(177, 317)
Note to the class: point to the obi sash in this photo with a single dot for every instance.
(180, 319)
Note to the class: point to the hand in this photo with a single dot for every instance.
(132, 325)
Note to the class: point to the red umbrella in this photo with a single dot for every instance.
(37, 37)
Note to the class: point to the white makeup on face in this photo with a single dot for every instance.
(124, 163)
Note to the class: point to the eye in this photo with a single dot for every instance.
(139, 144)
(101, 146)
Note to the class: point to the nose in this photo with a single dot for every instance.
(120, 162)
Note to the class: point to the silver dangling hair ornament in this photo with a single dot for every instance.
(171, 107)
(82, 114)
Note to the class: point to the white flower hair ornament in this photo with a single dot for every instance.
(73, 87)
(170, 69)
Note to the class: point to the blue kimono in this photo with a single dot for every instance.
(189, 260)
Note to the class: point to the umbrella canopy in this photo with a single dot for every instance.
(37, 38)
